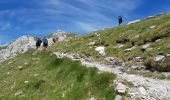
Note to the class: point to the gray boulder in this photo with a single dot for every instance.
(121, 88)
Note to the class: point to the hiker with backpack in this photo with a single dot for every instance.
(120, 20)
(45, 43)
(38, 43)
(55, 39)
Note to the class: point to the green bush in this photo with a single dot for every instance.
(161, 66)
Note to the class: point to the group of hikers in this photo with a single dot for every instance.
(45, 42)
(55, 39)
(39, 41)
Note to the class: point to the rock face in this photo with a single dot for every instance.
(20, 45)
(61, 35)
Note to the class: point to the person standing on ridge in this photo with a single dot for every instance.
(120, 19)
(38, 43)
(45, 43)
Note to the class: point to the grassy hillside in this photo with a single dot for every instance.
(154, 31)
(42, 76)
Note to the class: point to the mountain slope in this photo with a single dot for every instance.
(41, 76)
(125, 50)
(147, 39)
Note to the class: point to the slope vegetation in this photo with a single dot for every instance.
(40, 75)
(145, 39)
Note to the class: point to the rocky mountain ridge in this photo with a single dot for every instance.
(20, 45)
(26, 42)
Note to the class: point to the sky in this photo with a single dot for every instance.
(42, 17)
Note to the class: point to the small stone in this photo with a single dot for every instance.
(137, 36)
(63, 95)
(100, 50)
(121, 88)
(152, 27)
(35, 75)
(25, 63)
(146, 46)
(168, 55)
(120, 45)
(138, 59)
(92, 98)
(20, 67)
(149, 49)
(109, 59)
(158, 40)
(9, 63)
(138, 67)
(130, 49)
(118, 97)
(159, 58)
(8, 73)
(98, 35)
(18, 93)
(76, 56)
(92, 43)
(26, 82)
(142, 90)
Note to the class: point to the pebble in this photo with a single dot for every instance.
(159, 58)
(18, 93)
(92, 98)
(118, 97)
(26, 82)
(121, 88)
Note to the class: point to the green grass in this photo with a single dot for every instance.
(125, 34)
(155, 75)
(52, 79)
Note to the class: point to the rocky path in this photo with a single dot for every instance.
(143, 88)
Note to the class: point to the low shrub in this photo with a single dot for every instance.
(161, 66)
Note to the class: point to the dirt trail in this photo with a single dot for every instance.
(143, 87)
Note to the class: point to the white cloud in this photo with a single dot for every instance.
(86, 26)
(116, 6)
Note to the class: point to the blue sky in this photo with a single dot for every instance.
(41, 17)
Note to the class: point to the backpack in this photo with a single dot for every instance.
(39, 41)
(45, 41)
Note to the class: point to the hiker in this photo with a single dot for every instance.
(45, 43)
(55, 39)
(120, 19)
(38, 43)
